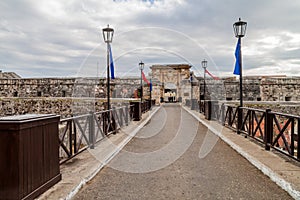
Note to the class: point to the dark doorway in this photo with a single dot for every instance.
(170, 95)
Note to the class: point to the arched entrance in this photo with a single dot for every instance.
(170, 79)
(170, 92)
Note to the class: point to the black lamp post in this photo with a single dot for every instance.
(191, 80)
(192, 102)
(141, 65)
(150, 89)
(239, 28)
(108, 36)
(204, 65)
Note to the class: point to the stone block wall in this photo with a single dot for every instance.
(229, 89)
(280, 89)
(67, 87)
(46, 87)
(65, 107)
(18, 106)
(55, 95)
(262, 89)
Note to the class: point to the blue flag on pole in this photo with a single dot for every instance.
(150, 85)
(112, 70)
(237, 58)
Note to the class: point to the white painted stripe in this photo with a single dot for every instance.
(266, 170)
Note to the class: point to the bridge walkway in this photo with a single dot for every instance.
(168, 159)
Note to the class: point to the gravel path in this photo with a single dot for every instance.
(166, 165)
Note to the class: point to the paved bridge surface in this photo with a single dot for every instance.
(164, 161)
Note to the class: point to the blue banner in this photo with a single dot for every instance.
(237, 58)
(112, 70)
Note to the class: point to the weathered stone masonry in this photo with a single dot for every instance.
(20, 96)
(255, 88)
(62, 96)
(280, 89)
(67, 87)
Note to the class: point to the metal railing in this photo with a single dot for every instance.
(146, 105)
(78, 133)
(275, 130)
(201, 106)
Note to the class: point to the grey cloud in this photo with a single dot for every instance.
(36, 42)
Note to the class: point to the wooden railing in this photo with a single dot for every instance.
(146, 105)
(78, 133)
(275, 130)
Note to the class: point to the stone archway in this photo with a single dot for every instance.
(169, 81)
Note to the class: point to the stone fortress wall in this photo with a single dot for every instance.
(14, 90)
(63, 96)
(228, 89)
(63, 106)
(255, 88)
(67, 87)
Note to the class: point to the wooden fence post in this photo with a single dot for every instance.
(268, 129)
(240, 120)
(137, 111)
(91, 130)
(298, 139)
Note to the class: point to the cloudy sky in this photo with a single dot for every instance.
(63, 38)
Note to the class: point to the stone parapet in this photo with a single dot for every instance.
(259, 88)
(65, 107)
